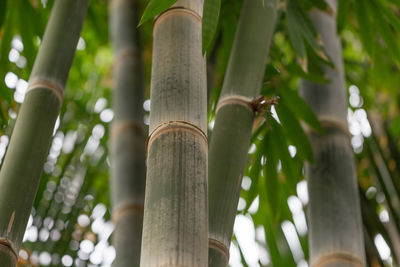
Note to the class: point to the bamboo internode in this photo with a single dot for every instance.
(175, 217)
(336, 229)
(22, 167)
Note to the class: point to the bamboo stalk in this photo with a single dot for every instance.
(175, 217)
(336, 233)
(127, 138)
(234, 119)
(23, 163)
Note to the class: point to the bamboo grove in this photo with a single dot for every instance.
(199, 132)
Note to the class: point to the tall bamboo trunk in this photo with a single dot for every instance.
(127, 138)
(23, 164)
(336, 230)
(175, 216)
(233, 124)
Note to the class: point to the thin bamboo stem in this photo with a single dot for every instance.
(175, 217)
(336, 233)
(234, 119)
(127, 138)
(23, 163)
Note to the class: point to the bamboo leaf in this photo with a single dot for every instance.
(271, 181)
(3, 12)
(383, 28)
(211, 11)
(343, 8)
(310, 76)
(294, 131)
(279, 138)
(297, 105)
(155, 7)
(364, 30)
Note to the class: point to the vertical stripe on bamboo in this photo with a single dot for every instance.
(175, 218)
(23, 163)
(127, 137)
(336, 230)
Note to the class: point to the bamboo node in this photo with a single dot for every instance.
(129, 53)
(328, 122)
(175, 10)
(41, 83)
(9, 247)
(174, 126)
(119, 127)
(338, 257)
(219, 246)
(258, 106)
(126, 208)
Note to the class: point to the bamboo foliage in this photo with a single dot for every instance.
(336, 230)
(233, 125)
(127, 137)
(175, 216)
(23, 164)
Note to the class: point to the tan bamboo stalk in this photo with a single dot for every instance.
(234, 119)
(336, 230)
(23, 163)
(127, 138)
(175, 216)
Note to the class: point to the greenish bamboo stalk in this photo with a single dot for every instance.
(234, 119)
(127, 139)
(23, 163)
(175, 216)
(336, 230)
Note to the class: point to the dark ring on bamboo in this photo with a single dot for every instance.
(337, 256)
(331, 123)
(118, 127)
(49, 85)
(10, 247)
(178, 9)
(173, 126)
(236, 100)
(221, 247)
(129, 53)
(126, 208)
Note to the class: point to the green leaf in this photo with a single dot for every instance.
(271, 181)
(297, 105)
(383, 28)
(281, 147)
(3, 11)
(295, 69)
(294, 131)
(211, 11)
(155, 7)
(343, 7)
(364, 29)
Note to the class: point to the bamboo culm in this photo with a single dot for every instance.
(234, 119)
(30, 141)
(175, 216)
(336, 230)
(127, 138)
